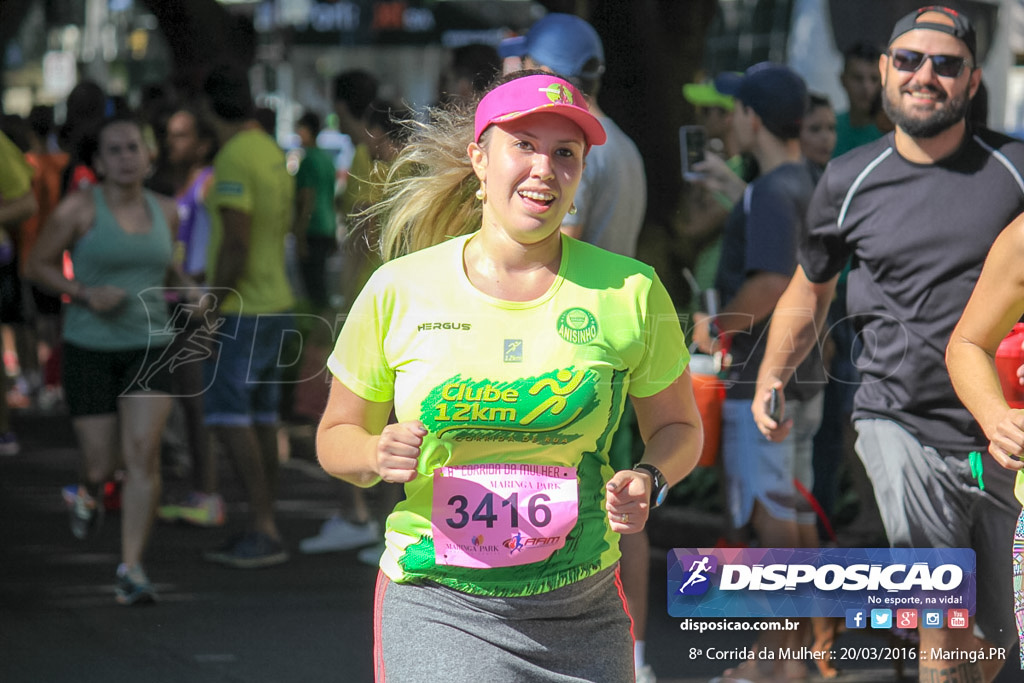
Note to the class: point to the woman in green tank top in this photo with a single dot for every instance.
(116, 381)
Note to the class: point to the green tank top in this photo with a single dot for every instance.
(137, 263)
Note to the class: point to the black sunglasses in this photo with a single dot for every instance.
(948, 66)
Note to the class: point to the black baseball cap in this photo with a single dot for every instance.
(959, 27)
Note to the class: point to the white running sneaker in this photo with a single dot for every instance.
(371, 555)
(646, 675)
(337, 534)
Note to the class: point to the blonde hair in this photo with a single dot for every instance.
(428, 193)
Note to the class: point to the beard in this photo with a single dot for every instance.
(954, 111)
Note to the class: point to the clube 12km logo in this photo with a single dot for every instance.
(804, 582)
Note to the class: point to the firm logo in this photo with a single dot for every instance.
(856, 618)
(557, 93)
(696, 579)
(425, 327)
(518, 542)
(538, 409)
(513, 351)
(577, 326)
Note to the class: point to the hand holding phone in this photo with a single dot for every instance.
(775, 406)
(692, 141)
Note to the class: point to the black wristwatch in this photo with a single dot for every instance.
(659, 490)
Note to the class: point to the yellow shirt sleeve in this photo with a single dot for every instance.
(15, 173)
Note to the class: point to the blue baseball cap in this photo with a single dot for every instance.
(775, 92)
(563, 43)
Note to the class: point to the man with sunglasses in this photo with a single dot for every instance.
(917, 211)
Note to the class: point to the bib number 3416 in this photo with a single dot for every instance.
(502, 515)
(537, 513)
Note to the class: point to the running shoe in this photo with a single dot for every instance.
(133, 586)
(112, 493)
(249, 551)
(338, 534)
(371, 555)
(84, 515)
(199, 509)
(645, 674)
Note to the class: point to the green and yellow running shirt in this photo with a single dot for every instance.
(249, 175)
(539, 383)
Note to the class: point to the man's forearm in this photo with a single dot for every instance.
(303, 212)
(230, 267)
(17, 210)
(796, 323)
(234, 249)
(754, 302)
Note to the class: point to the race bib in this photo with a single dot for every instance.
(502, 514)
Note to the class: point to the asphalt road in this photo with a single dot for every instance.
(307, 620)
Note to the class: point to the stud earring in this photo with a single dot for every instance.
(480, 194)
(572, 209)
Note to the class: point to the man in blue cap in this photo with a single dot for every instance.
(609, 211)
(758, 258)
(612, 197)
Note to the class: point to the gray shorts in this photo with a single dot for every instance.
(930, 500)
(763, 470)
(427, 632)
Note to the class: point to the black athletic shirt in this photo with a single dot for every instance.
(918, 235)
(762, 235)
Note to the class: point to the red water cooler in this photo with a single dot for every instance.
(1009, 357)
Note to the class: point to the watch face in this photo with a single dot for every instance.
(660, 489)
(661, 496)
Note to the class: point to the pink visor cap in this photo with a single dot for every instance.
(534, 95)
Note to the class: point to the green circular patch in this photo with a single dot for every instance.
(577, 326)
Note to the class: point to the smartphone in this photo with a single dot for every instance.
(775, 406)
(692, 140)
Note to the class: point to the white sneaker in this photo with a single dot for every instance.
(338, 534)
(646, 675)
(371, 555)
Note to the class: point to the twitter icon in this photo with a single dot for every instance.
(881, 618)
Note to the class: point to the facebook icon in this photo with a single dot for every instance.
(856, 618)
